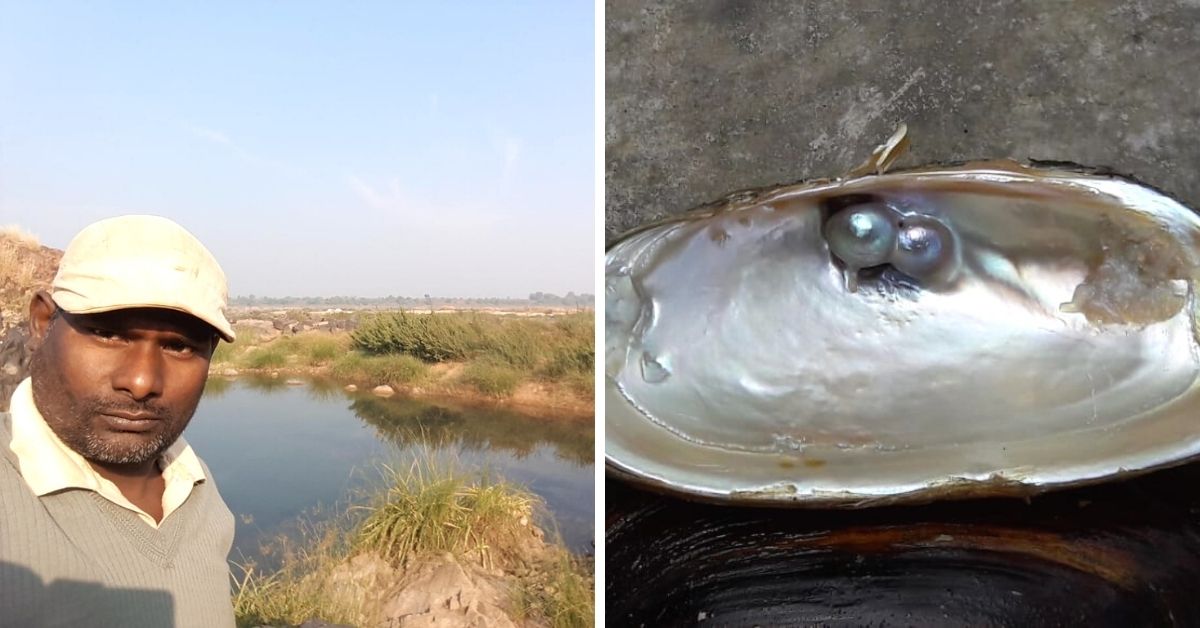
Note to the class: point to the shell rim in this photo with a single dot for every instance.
(745, 196)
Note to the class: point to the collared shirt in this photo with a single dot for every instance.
(49, 465)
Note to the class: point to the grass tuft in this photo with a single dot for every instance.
(306, 349)
(564, 599)
(379, 369)
(491, 377)
(424, 509)
(266, 357)
(296, 592)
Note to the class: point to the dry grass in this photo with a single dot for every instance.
(492, 377)
(308, 349)
(563, 599)
(393, 370)
(427, 508)
(18, 236)
(25, 268)
(296, 592)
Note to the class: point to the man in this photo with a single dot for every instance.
(107, 517)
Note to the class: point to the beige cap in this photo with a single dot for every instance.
(141, 261)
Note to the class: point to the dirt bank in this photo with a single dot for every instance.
(538, 399)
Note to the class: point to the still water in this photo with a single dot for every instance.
(281, 452)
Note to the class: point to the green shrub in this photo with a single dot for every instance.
(491, 378)
(379, 369)
(313, 348)
(555, 346)
(230, 353)
(225, 353)
(267, 356)
(579, 359)
(430, 337)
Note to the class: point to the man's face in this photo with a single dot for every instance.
(118, 387)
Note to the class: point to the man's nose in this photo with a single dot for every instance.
(140, 372)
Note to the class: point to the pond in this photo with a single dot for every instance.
(280, 452)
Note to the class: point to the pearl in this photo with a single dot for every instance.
(926, 249)
(862, 236)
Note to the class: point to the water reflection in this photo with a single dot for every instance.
(406, 422)
(322, 389)
(216, 387)
(280, 450)
(265, 384)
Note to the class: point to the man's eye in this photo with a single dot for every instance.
(180, 348)
(104, 334)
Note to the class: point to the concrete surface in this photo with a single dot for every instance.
(705, 98)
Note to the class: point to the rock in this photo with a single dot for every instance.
(256, 323)
(274, 373)
(362, 581)
(432, 591)
(383, 391)
(442, 592)
(350, 388)
(14, 355)
(294, 382)
(263, 330)
(230, 372)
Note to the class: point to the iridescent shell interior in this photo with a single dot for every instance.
(989, 328)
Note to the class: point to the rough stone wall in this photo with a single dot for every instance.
(705, 98)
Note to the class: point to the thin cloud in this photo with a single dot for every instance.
(221, 138)
(374, 198)
(512, 152)
(391, 200)
(509, 148)
(212, 135)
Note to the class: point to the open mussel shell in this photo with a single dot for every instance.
(951, 331)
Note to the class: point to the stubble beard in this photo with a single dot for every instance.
(96, 449)
(71, 419)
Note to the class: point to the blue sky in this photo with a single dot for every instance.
(317, 148)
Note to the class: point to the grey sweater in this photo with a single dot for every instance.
(73, 558)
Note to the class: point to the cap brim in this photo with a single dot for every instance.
(222, 327)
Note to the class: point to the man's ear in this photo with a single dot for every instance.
(41, 313)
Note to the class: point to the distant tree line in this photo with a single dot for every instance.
(536, 299)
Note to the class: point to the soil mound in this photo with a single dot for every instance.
(25, 267)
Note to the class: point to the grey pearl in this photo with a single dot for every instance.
(862, 236)
(926, 249)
